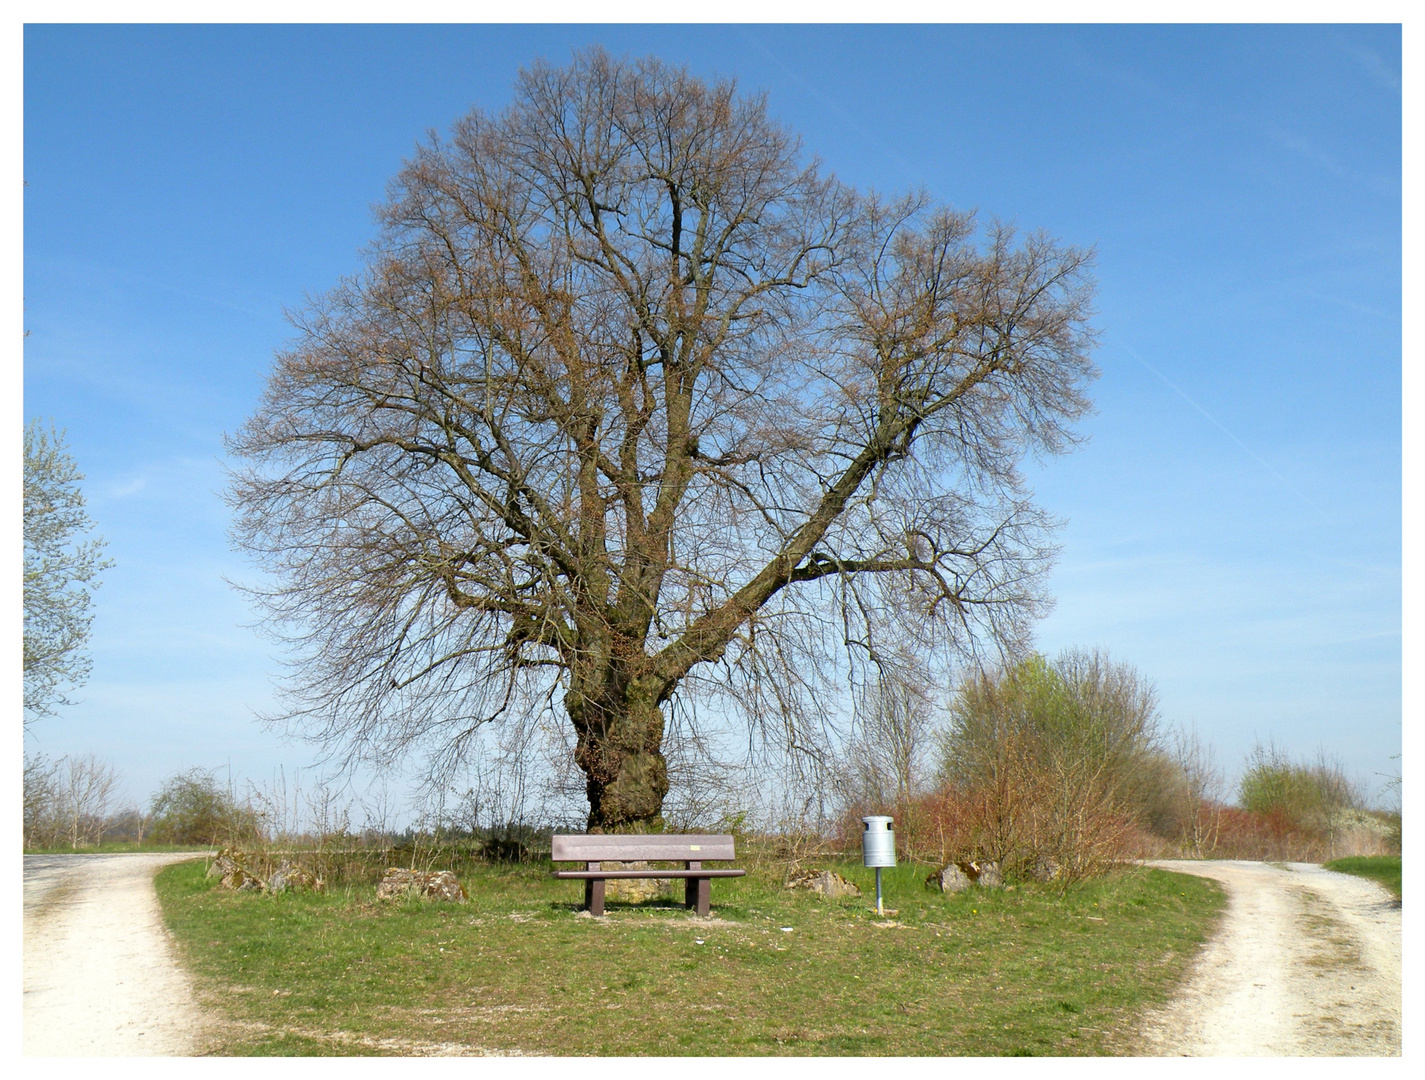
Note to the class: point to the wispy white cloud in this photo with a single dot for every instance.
(130, 487)
(181, 479)
(1077, 57)
(1341, 301)
(1312, 152)
(1375, 66)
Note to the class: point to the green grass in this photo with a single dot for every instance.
(1020, 971)
(1382, 868)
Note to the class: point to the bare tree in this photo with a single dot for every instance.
(87, 787)
(67, 801)
(897, 730)
(498, 779)
(41, 801)
(630, 402)
(1204, 792)
(128, 825)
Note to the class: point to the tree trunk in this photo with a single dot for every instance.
(620, 752)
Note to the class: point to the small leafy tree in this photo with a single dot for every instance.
(191, 808)
(62, 570)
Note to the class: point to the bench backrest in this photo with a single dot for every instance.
(631, 847)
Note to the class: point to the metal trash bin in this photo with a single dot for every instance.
(878, 848)
(878, 842)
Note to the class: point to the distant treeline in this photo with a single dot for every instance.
(1054, 770)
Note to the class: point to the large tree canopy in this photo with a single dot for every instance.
(632, 400)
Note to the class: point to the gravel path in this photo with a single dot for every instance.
(100, 977)
(1305, 963)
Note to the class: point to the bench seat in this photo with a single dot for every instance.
(590, 875)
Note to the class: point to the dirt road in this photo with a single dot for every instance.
(100, 977)
(1306, 963)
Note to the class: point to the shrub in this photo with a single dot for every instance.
(1292, 810)
(1307, 796)
(1054, 765)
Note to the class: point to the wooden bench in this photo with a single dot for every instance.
(688, 848)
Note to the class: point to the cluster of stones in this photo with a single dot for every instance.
(957, 876)
(237, 873)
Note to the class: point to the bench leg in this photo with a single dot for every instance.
(698, 894)
(594, 895)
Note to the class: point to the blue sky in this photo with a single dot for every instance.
(1233, 522)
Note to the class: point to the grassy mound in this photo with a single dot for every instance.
(519, 970)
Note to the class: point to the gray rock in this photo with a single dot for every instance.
(986, 874)
(827, 884)
(243, 872)
(979, 872)
(1045, 869)
(225, 862)
(293, 878)
(232, 867)
(634, 890)
(951, 880)
(397, 884)
(240, 880)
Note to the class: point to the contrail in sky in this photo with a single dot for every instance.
(1222, 428)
